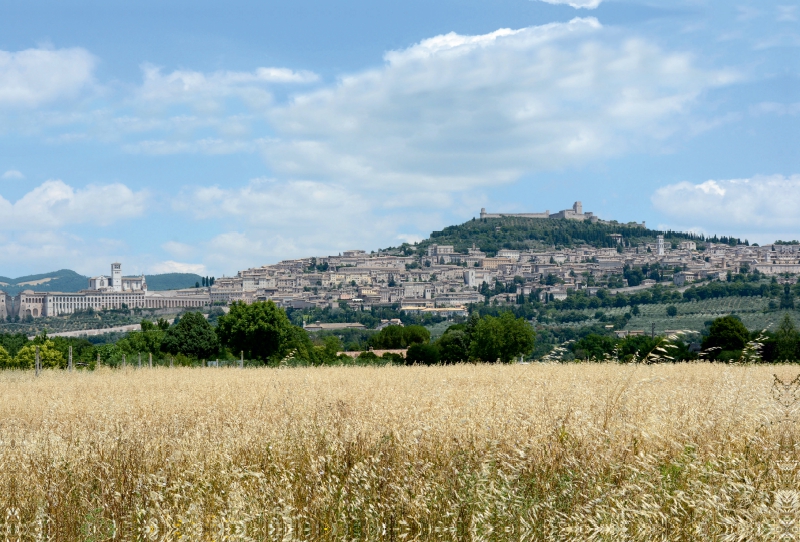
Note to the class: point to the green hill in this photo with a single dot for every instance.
(493, 234)
(66, 280)
(171, 281)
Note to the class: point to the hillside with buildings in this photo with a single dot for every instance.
(502, 259)
(564, 270)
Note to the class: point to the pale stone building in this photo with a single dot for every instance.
(114, 292)
(5, 305)
(116, 282)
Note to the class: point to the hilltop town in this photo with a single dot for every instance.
(439, 279)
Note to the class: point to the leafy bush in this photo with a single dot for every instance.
(395, 337)
(6, 361)
(49, 357)
(422, 354)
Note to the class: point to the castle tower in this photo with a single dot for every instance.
(116, 277)
(483, 212)
(578, 208)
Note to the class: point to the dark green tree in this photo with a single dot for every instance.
(193, 336)
(728, 336)
(262, 330)
(454, 346)
(636, 345)
(672, 311)
(13, 342)
(422, 354)
(148, 340)
(593, 346)
(501, 338)
(786, 339)
(395, 337)
(787, 299)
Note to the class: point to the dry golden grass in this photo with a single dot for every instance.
(474, 452)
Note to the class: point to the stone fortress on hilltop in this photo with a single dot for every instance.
(576, 213)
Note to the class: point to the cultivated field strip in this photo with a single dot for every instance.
(470, 452)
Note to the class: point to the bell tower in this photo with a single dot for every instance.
(116, 277)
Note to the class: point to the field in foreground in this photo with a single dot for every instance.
(473, 452)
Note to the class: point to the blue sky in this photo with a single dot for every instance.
(209, 137)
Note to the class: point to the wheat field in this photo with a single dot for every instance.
(468, 452)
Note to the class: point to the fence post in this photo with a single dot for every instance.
(70, 359)
(150, 360)
(97, 365)
(241, 360)
(139, 366)
(123, 361)
(170, 362)
(38, 361)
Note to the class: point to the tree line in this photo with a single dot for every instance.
(724, 339)
(485, 339)
(263, 333)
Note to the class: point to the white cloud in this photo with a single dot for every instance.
(170, 266)
(35, 77)
(265, 201)
(268, 220)
(758, 203)
(205, 90)
(178, 250)
(787, 14)
(212, 146)
(747, 13)
(456, 112)
(410, 238)
(13, 174)
(55, 204)
(775, 108)
(577, 4)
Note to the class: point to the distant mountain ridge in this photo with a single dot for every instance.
(66, 280)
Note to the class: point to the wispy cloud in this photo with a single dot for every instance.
(202, 146)
(205, 90)
(35, 77)
(13, 174)
(577, 4)
(786, 14)
(171, 266)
